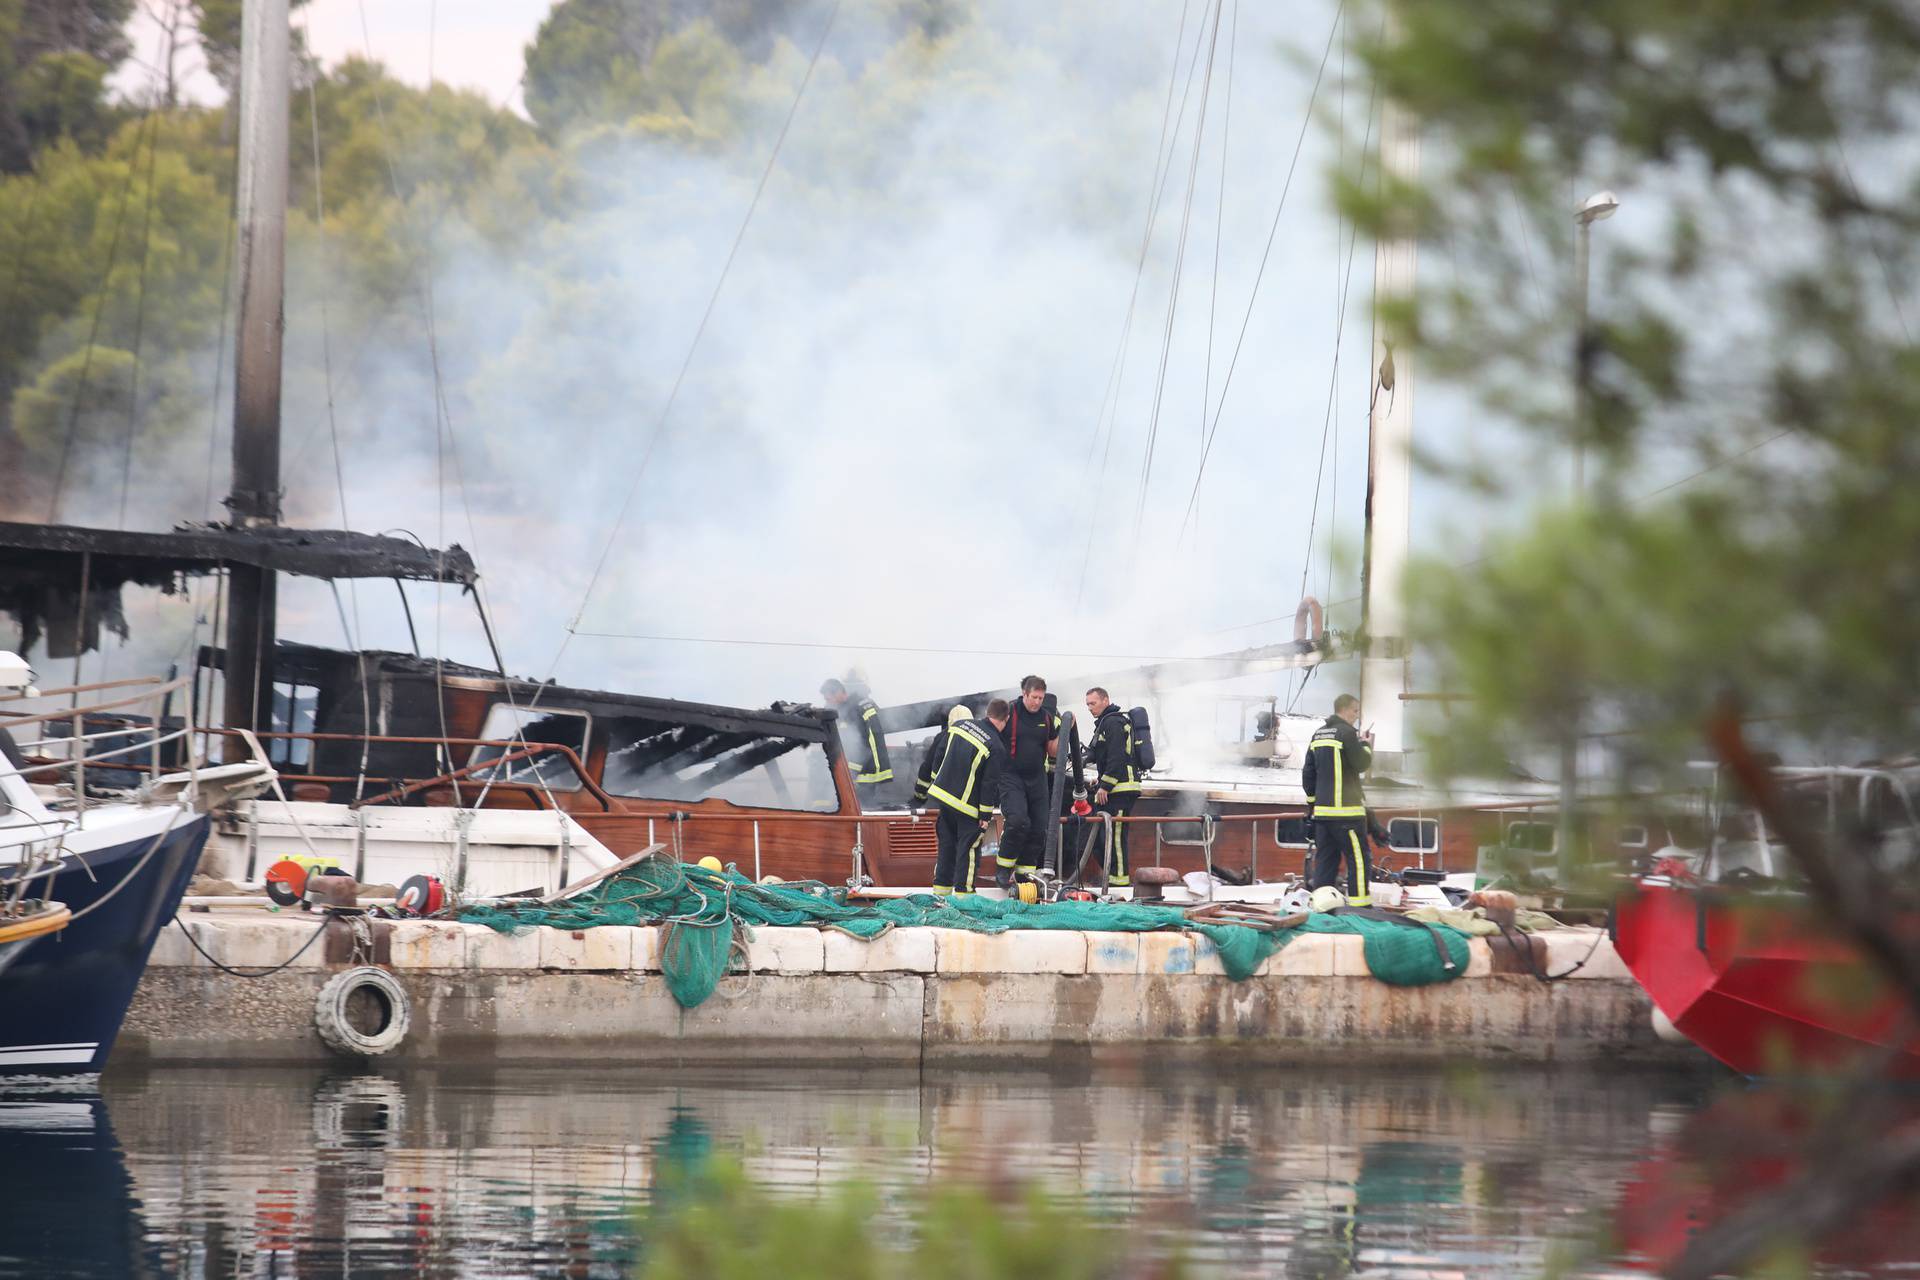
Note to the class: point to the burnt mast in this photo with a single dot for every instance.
(261, 216)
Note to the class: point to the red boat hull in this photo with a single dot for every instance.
(1761, 982)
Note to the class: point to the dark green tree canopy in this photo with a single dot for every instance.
(54, 59)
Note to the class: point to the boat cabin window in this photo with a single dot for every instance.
(1633, 837)
(1413, 835)
(1536, 837)
(506, 722)
(294, 709)
(664, 760)
(1290, 833)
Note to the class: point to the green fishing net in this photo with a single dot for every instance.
(705, 912)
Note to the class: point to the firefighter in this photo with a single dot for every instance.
(1117, 777)
(962, 774)
(1028, 734)
(1337, 755)
(867, 757)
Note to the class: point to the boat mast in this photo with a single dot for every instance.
(1384, 652)
(265, 54)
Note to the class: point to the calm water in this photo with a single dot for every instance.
(1302, 1174)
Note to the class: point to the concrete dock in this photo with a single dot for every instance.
(914, 995)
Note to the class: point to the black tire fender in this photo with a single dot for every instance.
(330, 1013)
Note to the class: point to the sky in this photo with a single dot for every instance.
(473, 44)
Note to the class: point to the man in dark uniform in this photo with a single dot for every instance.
(865, 742)
(962, 774)
(1337, 755)
(1117, 773)
(1023, 791)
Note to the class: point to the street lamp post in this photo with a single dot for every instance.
(1599, 205)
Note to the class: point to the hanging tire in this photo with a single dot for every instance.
(382, 1032)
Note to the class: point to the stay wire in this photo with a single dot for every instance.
(1259, 275)
(99, 310)
(1219, 224)
(1333, 383)
(1173, 293)
(666, 409)
(1110, 408)
(139, 332)
(353, 632)
(220, 343)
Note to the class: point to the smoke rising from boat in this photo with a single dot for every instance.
(884, 437)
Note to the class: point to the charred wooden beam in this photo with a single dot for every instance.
(743, 762)
(51, 552)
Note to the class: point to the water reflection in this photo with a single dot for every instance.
(254, 1173)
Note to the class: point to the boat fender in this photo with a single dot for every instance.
(1664, 1029)
(389, 999)
(1309, 622)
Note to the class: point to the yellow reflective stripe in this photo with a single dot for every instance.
(1339, 782)
(885, 775)
(1118, 787)
(1108, 778)
(952, 801)
(1362, 895)
(1341, 811)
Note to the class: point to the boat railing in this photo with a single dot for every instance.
(1213, 827)
(141, 748)
(400, 787)
(137, 725)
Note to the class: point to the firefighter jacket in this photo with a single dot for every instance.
(1111, 752)
(1335, 760)
(963, 768)
(1026, 735)
(867, 749)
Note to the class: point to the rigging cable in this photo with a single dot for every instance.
(150, 125)
(354, 632)
(1326, 425)
(1173, 293)
(666, 409)
(139, 332)
(1259, 274)
(1110, 400)
(1219, 223)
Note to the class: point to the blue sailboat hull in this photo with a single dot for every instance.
(63, 996)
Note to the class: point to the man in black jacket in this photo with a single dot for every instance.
(866, 744)
(962, 774)
(1023, 791)
(1337, 755)
(1117, 777)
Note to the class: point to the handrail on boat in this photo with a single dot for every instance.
(521, 750)
(525, 751)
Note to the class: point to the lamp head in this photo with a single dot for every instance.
(1600, 204)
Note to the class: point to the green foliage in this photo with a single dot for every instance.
(1751, 531)
(217, 23)
(54, 58)
(717, 1224)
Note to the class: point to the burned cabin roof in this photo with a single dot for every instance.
(797, 721)
(44, 567)
(54, 551)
